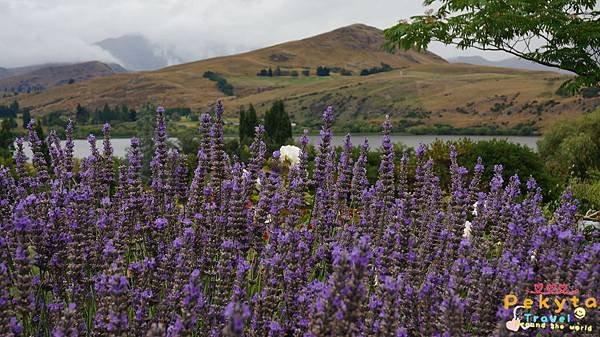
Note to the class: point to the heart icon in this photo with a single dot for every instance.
(513, 325)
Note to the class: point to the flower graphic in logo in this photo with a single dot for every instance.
(515, 323)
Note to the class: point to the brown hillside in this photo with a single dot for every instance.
(53, 75)
(353, 47)
(422, 90)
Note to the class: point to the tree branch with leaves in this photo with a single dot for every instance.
(563, 34)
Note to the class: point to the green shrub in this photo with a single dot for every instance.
(587, 191)
(572, 149)
(515, 158)
(222, 84)
(323, 71)
(374, 70)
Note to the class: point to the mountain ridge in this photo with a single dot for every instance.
(42, 77)
(135, 52)
(358, 52)
(16, 71)
(422, 90)
(511, 62)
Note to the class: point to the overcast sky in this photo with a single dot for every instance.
(37, 31)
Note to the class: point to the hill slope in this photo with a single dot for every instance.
(353, 47)
(9, 72)
(512, 62)
(422, 92)
(42, 77)
(4, 73)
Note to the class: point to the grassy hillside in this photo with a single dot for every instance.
(49, 76)
(423, 94)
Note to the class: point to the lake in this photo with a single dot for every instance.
(120, 145)
(415, 140)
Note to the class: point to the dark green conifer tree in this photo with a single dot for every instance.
(26, 117)
(7, 137)
(278, 127)
(248, 122)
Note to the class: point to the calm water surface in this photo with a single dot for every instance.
(121, 145)
(415, 140)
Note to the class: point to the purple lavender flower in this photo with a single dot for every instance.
(262, 249)
(38, 160)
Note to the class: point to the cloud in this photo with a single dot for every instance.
(35, 31)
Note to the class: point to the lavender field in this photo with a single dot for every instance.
(280, 247)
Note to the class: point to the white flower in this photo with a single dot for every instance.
(533, 257)
(290, 153)
(467, 231)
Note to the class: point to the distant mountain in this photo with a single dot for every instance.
(4, 73)
(422, 92)
(137, 53)
(353, 48)
(512, 62)
(117, 68)
(41, 77)
(8, 72)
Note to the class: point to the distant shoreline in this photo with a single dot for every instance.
(358, 135)
(121, 145)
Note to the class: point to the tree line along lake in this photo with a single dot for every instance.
(121, 145)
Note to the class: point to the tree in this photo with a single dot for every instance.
(251, 122)
(146, 119)
(55, 118)
(132, 115)
(515, 159)
(270, 72)
(587, 191)
(8, 111)
(82, 115)
(106, 114)
(222, 83)
(555, 33)
(322, 71)
(122, 112)
(26, 117)
(225, 86)
(571, 152)
(277, 71)
(572, 149)
(248, 122)
(12, 123)
(278, 127)
(242, 129)
(7, 138)
(14, 107)
(40, 133)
